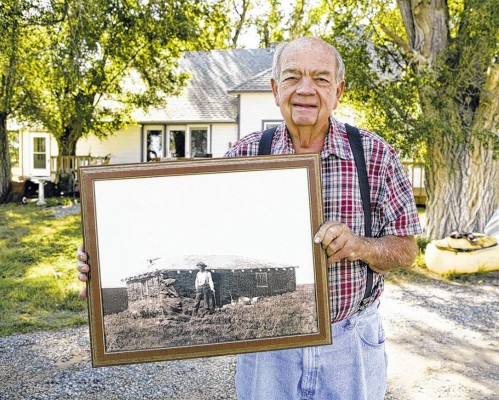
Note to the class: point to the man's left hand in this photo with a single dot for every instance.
(339, 242)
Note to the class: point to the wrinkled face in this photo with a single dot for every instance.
(307, 91)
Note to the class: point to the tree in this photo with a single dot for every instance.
(20, 21)
(425, 74)
(109, 56)
(241, 9)
(276, 26)
(267, 25)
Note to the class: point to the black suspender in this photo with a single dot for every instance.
(360, 162)
(265, 145)
(264, 148)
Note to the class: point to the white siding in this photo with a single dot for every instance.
(124, 146)
(256, 108)
(222, 136)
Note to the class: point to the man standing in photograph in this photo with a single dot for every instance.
(204, 289)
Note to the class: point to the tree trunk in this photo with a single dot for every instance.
(5, 174)
(462, 177)
(67, 142)
(462, 188)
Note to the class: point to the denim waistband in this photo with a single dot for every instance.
(347, 324)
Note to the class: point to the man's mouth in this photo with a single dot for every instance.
(301, 105)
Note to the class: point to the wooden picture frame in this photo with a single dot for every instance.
(250, 220)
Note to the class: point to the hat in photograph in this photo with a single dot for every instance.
(201, 265)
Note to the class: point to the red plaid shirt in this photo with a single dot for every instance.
(393, 209)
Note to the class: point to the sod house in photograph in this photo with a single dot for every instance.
(166, 280)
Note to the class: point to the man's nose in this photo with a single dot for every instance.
(306, 86)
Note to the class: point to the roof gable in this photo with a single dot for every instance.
(258, 83)
(206, 96)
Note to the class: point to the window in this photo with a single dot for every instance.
(262, 279)
(270, 124)
(154, 145)
(199, 142)
(39, 152)
(177, 143)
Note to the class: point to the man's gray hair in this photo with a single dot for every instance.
(276, 64)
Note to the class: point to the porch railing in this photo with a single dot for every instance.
(70, 164)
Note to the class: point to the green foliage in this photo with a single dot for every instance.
(411, 100)
(81, 66)
(38, 283)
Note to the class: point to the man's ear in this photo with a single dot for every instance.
(340, 89)
(274, 85)
(339, 92)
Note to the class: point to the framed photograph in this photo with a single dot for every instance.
(204, 258)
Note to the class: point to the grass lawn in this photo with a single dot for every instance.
(38, 284)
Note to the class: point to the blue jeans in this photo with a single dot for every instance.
(352, 368)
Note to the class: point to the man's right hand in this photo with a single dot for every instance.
(83, 268)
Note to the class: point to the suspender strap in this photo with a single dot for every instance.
(264, 148)
(265, 145)
(360, 161)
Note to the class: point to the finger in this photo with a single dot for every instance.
(83, 294)
(332, 235)
(323, 231)
(336, 245)
(82, 277)
(80, 254)
(82, 267)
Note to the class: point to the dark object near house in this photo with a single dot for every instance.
(66, 182)
(233, 277)
(29, 190)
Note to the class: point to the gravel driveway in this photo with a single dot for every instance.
(442, 343)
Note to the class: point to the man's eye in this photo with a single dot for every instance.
(290, 78)
(322, 80)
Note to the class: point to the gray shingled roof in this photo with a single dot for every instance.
(259, 83)
(206, 97)
(214, 262)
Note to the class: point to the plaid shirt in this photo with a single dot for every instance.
(393, 209)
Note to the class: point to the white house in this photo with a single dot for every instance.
(227, 96)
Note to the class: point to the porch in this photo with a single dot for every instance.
(64, 170)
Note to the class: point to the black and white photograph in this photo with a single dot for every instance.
(204, 258)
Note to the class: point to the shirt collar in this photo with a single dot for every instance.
(336, 142)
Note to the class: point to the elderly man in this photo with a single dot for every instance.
(307, 82)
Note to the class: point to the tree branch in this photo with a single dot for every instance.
(407, 18)
(396, 39)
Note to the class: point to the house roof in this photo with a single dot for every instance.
(258, 83)
(206, 96)
(214, 262)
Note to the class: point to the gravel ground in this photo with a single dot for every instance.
(441, 342)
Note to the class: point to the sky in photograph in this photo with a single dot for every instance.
(263, 215)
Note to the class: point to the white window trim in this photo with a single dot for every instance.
(266, 279)
(188, 136)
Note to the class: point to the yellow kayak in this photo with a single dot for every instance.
(463, 253)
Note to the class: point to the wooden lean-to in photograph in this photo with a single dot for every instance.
(201, 258)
